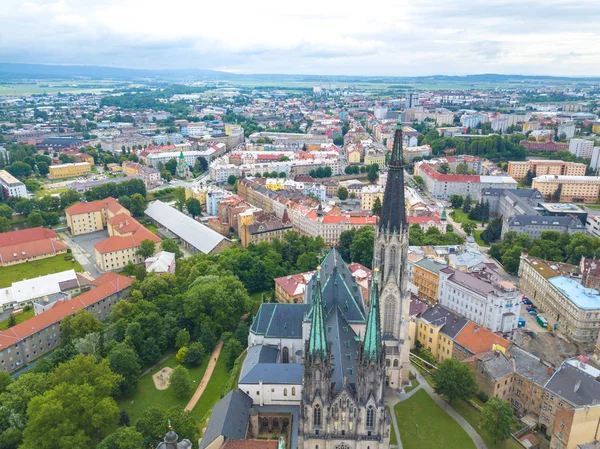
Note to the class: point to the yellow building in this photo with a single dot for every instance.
(114, 168)
(596, 128)
(518, 169)
(69, 170)
(573, 189)
(197, 192)
(374, 157)
(575, 426)
(436, 330)
(83, 218)
(354, 157)
(530, 126)
(368, 197)
(426, 277)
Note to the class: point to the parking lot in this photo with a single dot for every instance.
(83, 249)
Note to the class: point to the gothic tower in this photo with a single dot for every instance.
(390, 257)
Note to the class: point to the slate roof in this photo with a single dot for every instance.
(279, 320)
(529, 366)
(393, 213)
(258, 354)
(496, 364)
(344, 350)
(576, 383)
(528, 220)
(274, 373)
(229, 418)
(451, 323)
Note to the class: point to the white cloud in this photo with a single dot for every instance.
(557, 37)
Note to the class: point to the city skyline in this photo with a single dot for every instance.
(393, 39)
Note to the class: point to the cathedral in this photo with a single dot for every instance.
(317, 371)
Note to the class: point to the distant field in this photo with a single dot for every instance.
(72, 87)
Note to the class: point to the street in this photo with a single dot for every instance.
(84, 253)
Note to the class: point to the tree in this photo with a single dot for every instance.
(179, 194)
(171, 166)
(342, 193)
(171, 246)
(180, 357)
(79, 325)
(456, 201)
(373, 173)
(231, 180)
(12, 321)
(153, 424)
(232, 349)
(497, 419)
(43, 169)
(182, 339)
(166, 175)
(91, 344)
(123, 438)
(146, 248)
(468, 227)
(5, 380)
(455, 380)
(137, 205)
(377, 207)
(193, 206)
(4, 224)
(419, 180)
(444, 168)
(493, 231)
(180, 381)
(528, 180)
(466, 207)
(124, 361)
(35, 219)
(361, 248)
(6, 211)
(462, 169)
(19, 169)
(194, 355)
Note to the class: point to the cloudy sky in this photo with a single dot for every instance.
(333, 37)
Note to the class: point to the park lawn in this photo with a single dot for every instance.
(471, 414)
(414, 383)
(212, 393)
(147, 395)
(593, 206)
(424, 425)
(36, 268)
(423, 373)
(393, 439)
(19, 318)
(460, 217)
(477, 237)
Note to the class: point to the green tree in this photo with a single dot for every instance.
(456, 201)
(468, 227)
(79, 325)
(12, 321)
(232, 350)
(373, 173)
(179, 198)
(166, 175)
(194, 355)
(19, 169)
(124, 361)
(43, 169)
(497, 419)
(123, 438)
(231, 180)
(146, 248)
(377, 207)
(180, 357)
(4, 224)
(444, 168)
(171, 246)
(466, 207)
(361, 249)
(137, 205)
(153, 425)
(5, 380)
(35, 219)
(342, 193)
(454, 380)
(419, 180)
(6, 211)
(182, 339)
(193, 207)
(180, 382)
(171, 166)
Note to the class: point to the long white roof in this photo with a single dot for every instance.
(35, 288)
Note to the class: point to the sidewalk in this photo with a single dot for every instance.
(206, 378)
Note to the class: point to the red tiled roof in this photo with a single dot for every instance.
(478, 339)
(294, 284)
(92, 206)
(250, 444)
(333, 219)
(432, 173)
(423, 220)
(28, 250)
(121, 242)
(26, 235)
(105, 286)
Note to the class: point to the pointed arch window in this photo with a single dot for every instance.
(382, 260)
(389, 314)
(370, 417)
(395, 363)
(317, 415)
(393, 260)
(285, 355)
(285, 391)
(293, 391)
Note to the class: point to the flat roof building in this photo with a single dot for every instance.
(11, 186)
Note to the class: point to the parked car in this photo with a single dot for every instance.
(532, 307)
(521, 322)
(528, 302)
(532, 312)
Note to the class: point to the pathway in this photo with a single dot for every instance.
(206, 378)
(479, 444)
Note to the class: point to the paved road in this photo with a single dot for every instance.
(206, 378)
(83, 257)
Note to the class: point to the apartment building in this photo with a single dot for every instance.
(572, 189)
(69, 170)
(11, 186)
(426, 277)
(534, 225)
(39, 335)
(368, 196)
(562, 298)
(518, 169)
(482, 296)
(410, 153)
(28, 245)
(576, 428)
(84, 218)
(150, 174)
(473, 339)
(581, 148)
(265, 230)
(508, 202)
(436, 330)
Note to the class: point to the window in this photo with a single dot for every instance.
(293, 391)
(275, 423)
(317, 416)
(285, 391)
(389, 316)
(285, 355)
(370, 417)
(395, 363)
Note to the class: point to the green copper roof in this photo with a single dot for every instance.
(372, 343)
(317, 344)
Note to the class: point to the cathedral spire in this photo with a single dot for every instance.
(317, 344)
(393, 214)
(372, 342)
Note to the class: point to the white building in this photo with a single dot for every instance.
(581, 148)
(482, 296)
(500, 124)
(191, 157)
(595, 162)
(566, 128)
(11, 186)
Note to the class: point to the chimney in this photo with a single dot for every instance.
(549, 371)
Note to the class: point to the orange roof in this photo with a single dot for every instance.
(121, 242)
(25, 235)
(332, 219)
(250, 444)
(105, 286)
(28, 250)
(479, 339)
(92, 206)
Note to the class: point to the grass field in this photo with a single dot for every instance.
(20, 318)
(29, 270)
(152, 229)
(393, 439)
(424, 425)
(148, 396)
(477, 237)
(88, 86)
(414, 383)
(460, 217)
(212, 394)
(471, 414)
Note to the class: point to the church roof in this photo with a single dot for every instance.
(229, 418)
(279, 320)
(393, 214)
(274, 373)
(317, 344)
(258, 354)
(372, 344)
(344, 350)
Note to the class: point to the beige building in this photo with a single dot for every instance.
(69, 170)
(83, 218)
(573, 189)
(375, 157)
(575, 426)
(518, 169)
(368, 196)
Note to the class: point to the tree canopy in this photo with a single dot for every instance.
(454, 380)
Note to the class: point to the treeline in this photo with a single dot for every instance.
(552, 245)
(491, 147)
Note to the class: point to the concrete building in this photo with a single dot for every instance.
(39, 335)
(473, 339)
(574, 427)
(11, 186)
(581, 148)
(418, 151)
(534, 225)
(84, 218)
(69, 170)
(426, 277)
(571, 189)
(482, 296)
(150, 174)
(566, 130)
(518, 169)
(508, 202)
